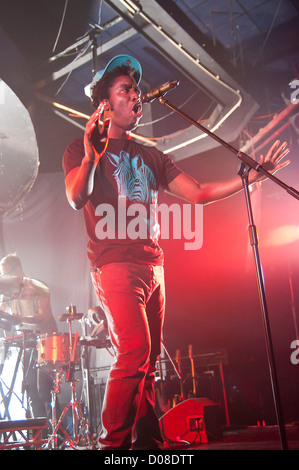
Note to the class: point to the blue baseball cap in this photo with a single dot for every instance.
(117, 61)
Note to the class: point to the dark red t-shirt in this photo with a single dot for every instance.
(120, 216)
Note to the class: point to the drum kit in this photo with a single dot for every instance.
(60, 354)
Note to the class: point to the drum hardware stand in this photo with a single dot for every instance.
(53, 440)
(247, 164)
(79, 422)
(86, 373)
(80, 425)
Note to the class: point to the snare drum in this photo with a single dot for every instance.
(54, 350)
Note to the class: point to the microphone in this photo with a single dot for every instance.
(157, 92)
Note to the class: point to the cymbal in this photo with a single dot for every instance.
(70, 316)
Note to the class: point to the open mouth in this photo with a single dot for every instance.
(137, 109)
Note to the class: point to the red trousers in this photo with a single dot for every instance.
(133, 298)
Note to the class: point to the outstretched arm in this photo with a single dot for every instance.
(185, 187)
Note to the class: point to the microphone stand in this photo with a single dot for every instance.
(247, 164)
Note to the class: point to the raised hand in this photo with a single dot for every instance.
(272, 161)
(91, 135)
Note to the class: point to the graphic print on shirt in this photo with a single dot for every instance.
(134, 178)
(136, 181)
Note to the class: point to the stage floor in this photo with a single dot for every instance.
(252, 438)
(245, 438)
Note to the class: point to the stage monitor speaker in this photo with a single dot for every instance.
(195, 420)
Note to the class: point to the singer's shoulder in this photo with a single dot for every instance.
(148, 148)
(73, 155)
(75, 149)
(75, 145)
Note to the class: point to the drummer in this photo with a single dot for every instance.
(28, 300)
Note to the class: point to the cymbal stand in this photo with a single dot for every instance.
(81, 431)
(53, 440)
(86, 375)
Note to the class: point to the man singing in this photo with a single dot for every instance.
(108, 169)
